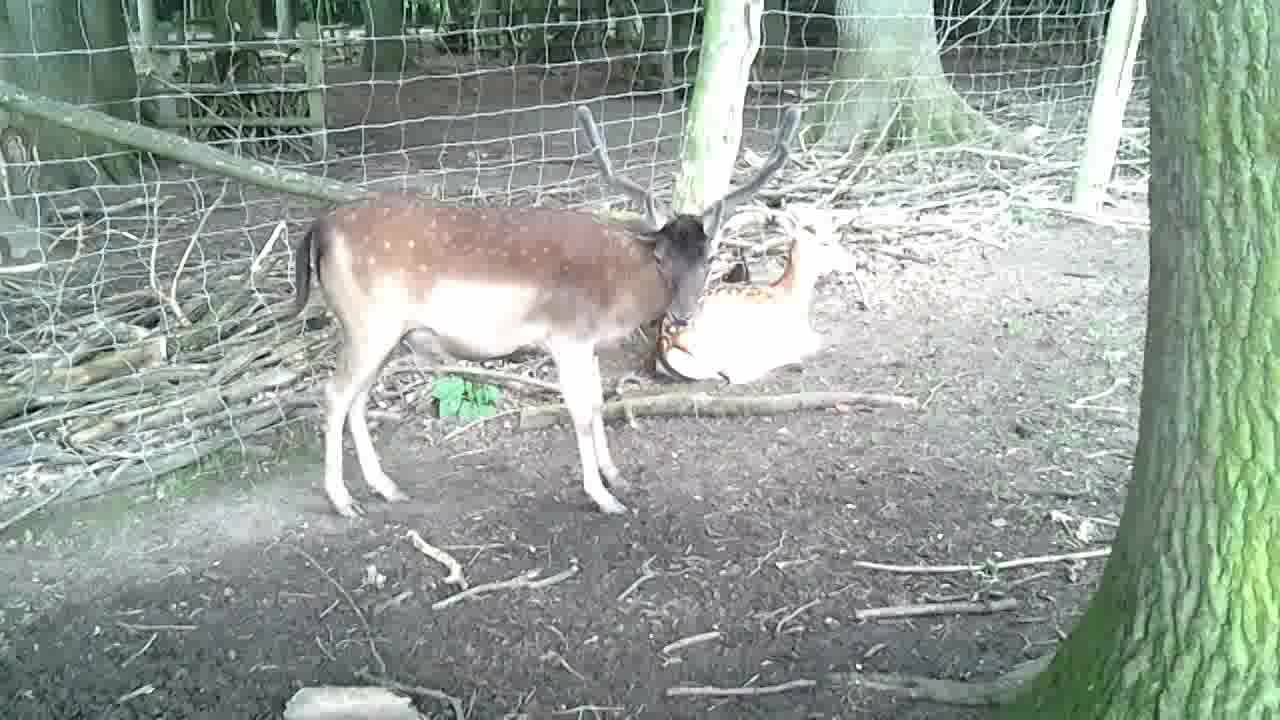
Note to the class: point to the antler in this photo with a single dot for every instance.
(653, 215)
(718, 210)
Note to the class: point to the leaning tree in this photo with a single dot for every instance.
(1186, 620)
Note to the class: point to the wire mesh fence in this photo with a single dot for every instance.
(140, 340)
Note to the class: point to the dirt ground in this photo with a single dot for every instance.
(221, 602)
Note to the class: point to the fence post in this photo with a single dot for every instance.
(1110, 96)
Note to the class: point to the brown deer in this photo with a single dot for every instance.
(481, 283)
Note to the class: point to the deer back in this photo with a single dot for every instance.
(571, 271)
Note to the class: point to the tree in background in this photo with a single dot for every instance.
(1186, 621)
(50, 38)
(888, 78)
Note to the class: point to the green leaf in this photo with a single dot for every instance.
(487, 394)
(448, 387)
(451, 406)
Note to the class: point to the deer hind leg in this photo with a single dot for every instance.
(580, 385)
(363, 354)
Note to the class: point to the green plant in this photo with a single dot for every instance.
(461, 398)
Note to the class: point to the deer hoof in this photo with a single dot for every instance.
(394, 495)
(609, 505)
(349, 509)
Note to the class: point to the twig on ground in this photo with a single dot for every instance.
(557, 658)
(712, 691)
(146, 689)
(1004, 565)
(777, 629)
(479, 374)
(364, 622)
(690, 641)
(1087, 400)
(580, 709)
(646, 574)
(998, 691)
(136, 627)
(525, 581)
(942, 608)
(455, 576)
(138, 653)
(454, 703)
(477, 423)
(704, 405)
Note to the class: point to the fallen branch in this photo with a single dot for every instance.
(646, 574)
(942, 608)
(998, 691)
(525, 581)
(1004, 565)
(175, 147)
(712, 691)
(690, 641)
(455, 576)
(704, 405)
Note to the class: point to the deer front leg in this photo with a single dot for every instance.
(580, 385)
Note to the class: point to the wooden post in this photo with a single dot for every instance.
(284, 20)
(147, 25)
(1110, 96)
(313, 67)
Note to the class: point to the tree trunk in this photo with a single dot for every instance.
(1186, 621)
(713, 130)
(888, 79)
(105, 77)
(45, 31)
(384, 45)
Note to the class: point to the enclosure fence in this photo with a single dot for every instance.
(137, 339)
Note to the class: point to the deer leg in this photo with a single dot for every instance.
(604, 458)
(348, 393)
(370, 467)
(580, 385)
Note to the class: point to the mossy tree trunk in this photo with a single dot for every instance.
(888, 73)
(1186, 621)
(46, 35)
(384, 47)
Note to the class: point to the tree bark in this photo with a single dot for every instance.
(713, 130)
(1186, 622)
(384, 46)
(50, 31)
(888, 79)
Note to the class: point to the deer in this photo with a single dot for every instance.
(742, 331)
(470, 283)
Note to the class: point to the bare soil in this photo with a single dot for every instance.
(221, 603)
